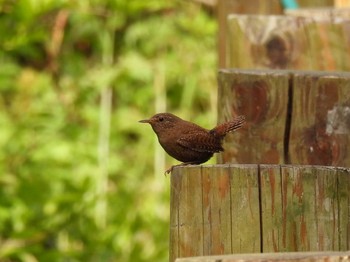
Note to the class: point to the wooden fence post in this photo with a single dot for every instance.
(226, 209)
(299, 117)
(225, 7)
(275, 257)
(262, 97)
(288, 42)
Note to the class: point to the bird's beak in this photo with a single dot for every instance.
(145, 121)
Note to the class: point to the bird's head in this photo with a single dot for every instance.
(162, 121)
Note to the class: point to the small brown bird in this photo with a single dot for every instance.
(188, 142)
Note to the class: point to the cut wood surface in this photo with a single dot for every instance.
(298, 117)
(309, 42)
(226, 209)
(225, 7)
(320, 13)
(329, 44)
(268, 41)
(262, 97)
(253, 7)
(320, 122)
(288, 256)
(313, 3)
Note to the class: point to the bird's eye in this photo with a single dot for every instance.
(160, 119)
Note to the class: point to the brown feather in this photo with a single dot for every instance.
(227, 127)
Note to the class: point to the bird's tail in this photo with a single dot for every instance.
(222, 129)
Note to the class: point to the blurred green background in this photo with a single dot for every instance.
(80, 178)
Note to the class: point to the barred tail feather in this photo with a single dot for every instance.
(227, 127)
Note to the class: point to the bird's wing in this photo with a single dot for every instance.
(200, 142)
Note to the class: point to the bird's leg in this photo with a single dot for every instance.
(170, 170)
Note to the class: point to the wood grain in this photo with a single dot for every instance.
(190, 210)
(245, 227)
(320, 124)
(320, 14)
(225, 209)
(262, 97)
(287, 256)
(299, 117)
(175, 191)
(225, 7)
(305, 39)
(343, 198)
(310, 208)
(329, 44)
(271, 208)
(273, 41)
(216, 210)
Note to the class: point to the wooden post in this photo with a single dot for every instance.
(289, 42)
(320, 119)
(262, 97)
(328, 36)
(268, 41)
(225, 7)
(252, 7)
(294, 117)
(313, 3)
(287, 256)
(320, 13)
(226, 209)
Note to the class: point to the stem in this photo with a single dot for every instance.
(160, 106)
(104, 136)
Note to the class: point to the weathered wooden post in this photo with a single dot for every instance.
(291, 188)
(268, 41)
(329, 256)
(265, 205)
(225, 7)
(288, 42)
(298, 117)
(228, 209)
(262, 96)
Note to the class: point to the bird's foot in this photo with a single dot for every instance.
(170, 170)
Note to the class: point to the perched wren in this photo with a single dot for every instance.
(188, 142)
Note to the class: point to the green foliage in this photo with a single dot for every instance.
(80, 178)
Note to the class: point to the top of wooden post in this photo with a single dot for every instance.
(288, 256)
